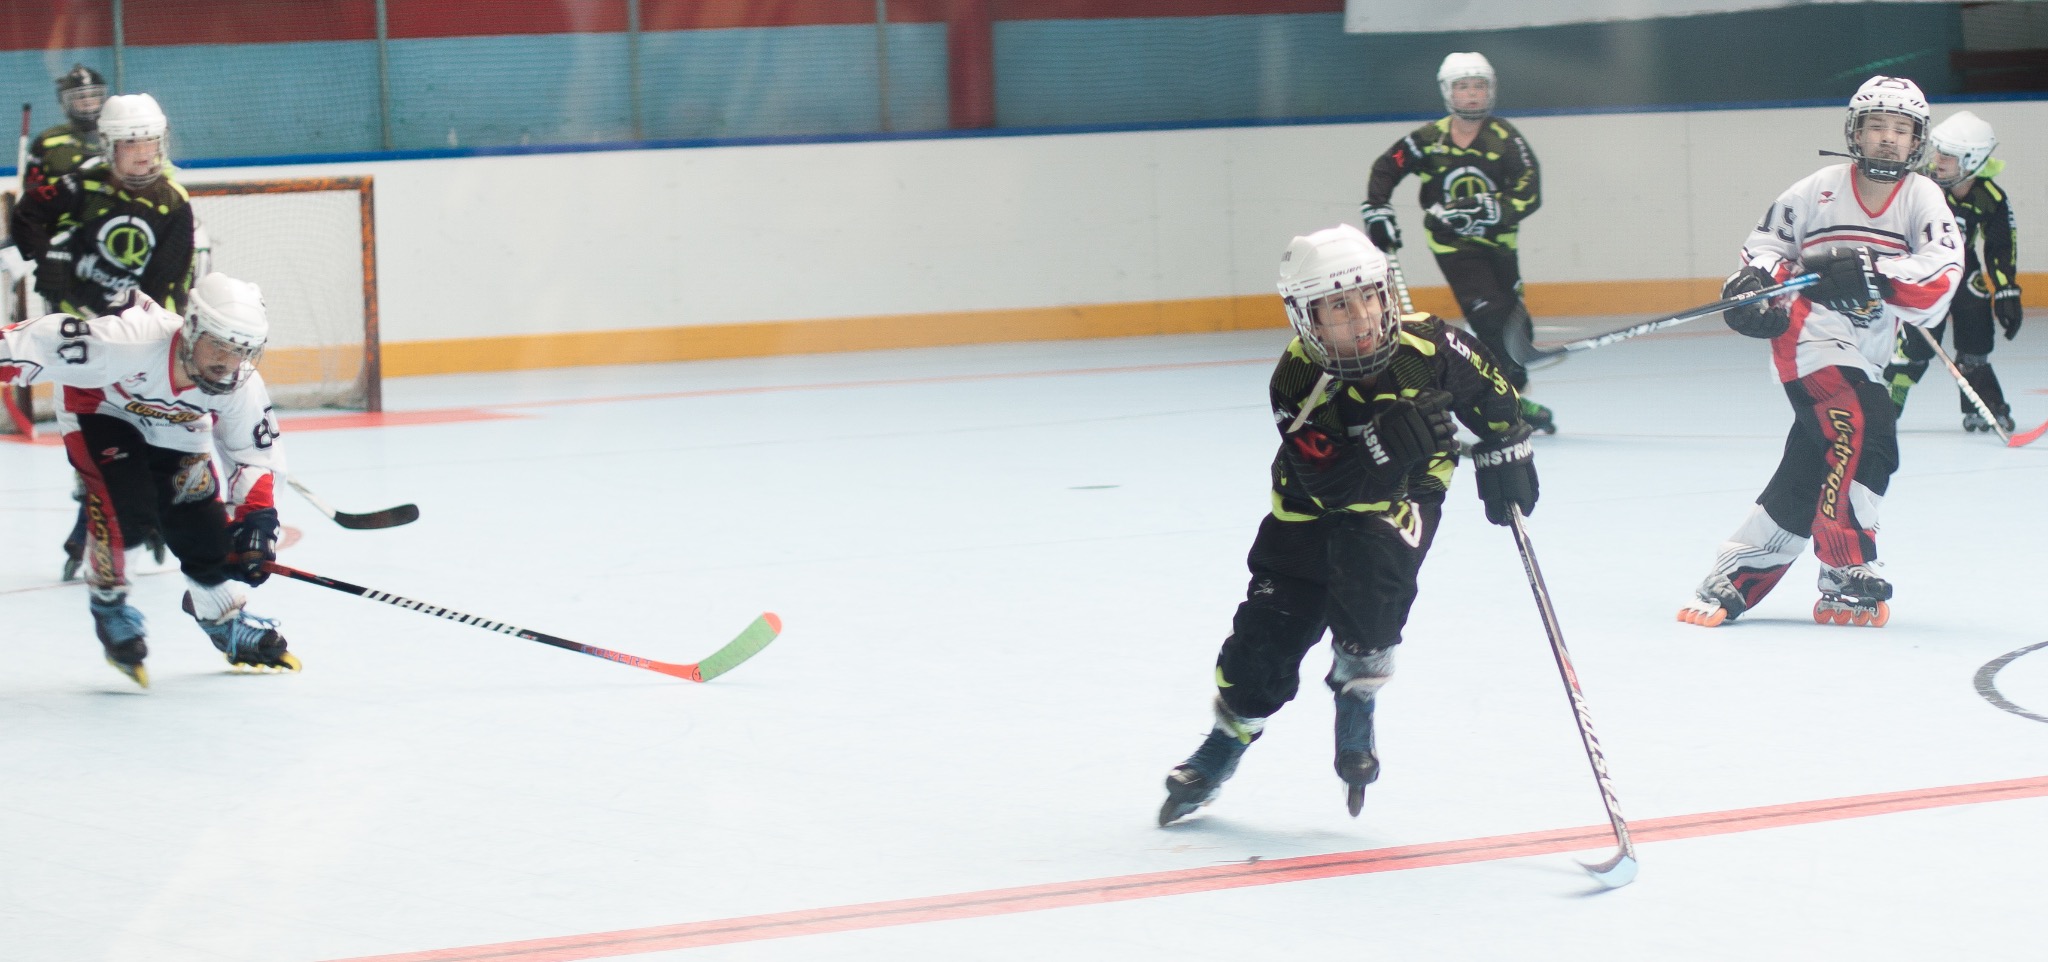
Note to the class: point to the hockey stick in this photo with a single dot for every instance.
(1525, 352)
(745, 646)
(2011, 441)
(1621, 869)
(387, 518)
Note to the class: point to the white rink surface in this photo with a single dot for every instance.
(1003, 598)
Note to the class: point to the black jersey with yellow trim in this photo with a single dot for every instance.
(1497, 162)
(57, 151)
(117, 239)
(1319, 468)
(1987, 211)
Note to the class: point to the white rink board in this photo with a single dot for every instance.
(559, 243)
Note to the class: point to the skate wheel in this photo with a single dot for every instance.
(1882, 615)
(1704, 619)
(1822, 614)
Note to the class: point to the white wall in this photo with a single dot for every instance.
(547, 243)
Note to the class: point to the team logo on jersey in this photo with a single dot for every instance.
(1466, 183)
(173, 416)
(1827, 196)
(127, 241)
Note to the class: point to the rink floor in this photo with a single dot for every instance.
(1004, 572)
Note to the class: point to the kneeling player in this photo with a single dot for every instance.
(1363, 399)
(147, 397)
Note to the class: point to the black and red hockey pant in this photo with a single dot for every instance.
(132, 487)
(1844, 435)
(1351, 574)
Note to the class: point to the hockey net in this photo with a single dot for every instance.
(310, 244)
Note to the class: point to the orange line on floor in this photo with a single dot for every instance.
(1033, 898)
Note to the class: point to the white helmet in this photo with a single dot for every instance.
(1887, 95)
(134, 118)
(1315, 273)
(1968, 139)
(228, 315)
(1464, 66)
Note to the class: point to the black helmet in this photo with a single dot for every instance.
(81, 91)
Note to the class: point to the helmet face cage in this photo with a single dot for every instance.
(1361, 351)
(81, 91)
(1466, 66)
(111, 147)
(1968, 139)
(1887, 95)
(188, 355)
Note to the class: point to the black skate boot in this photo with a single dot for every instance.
(1852, 595)
(249, 642)
(1975, 423)
(1539, 417)
(120, 630)
(1195, 782)
(1357, 763)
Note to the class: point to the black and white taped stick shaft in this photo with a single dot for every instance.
(1621, 869)
(1400, 283)
(1524, 352)
(756, 637)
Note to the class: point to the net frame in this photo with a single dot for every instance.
(372, 374)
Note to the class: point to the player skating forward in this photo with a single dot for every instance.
(1887, 253)
(147, 397)
(1960, 160)
(1363, 398)
(117, 224)
(1479, 180)
(67, 146)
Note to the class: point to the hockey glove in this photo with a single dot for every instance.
(1759, 318)
(253, 542)
(1450, 220)
(2005, 305)
(1849, 282)
(53, 276)
(1406, 431)
(1506, 471)
(1380, 226)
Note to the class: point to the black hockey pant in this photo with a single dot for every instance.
(132, 487)
(1351, 574)
(1970, 312)
(1488, 286)
(1838, 461)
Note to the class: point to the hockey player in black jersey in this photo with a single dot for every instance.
(1960, 149)
(67, 146)
(1363, 398)
(116, 224)
(1479, 180)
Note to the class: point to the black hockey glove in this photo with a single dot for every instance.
(1407, 431)
(1506, 472)
(53, 276)
(1380, 226)
(2005, 305)
(1849, 282)
(1758, 318)
(253, 542)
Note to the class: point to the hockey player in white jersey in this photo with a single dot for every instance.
(1886, 248)
(146, 398)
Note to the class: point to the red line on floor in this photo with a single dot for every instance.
(387, 419)
(1033, 898)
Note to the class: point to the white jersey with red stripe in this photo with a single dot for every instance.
(1914, 238)
(120, 365)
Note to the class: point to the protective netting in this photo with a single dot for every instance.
(307, 245)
